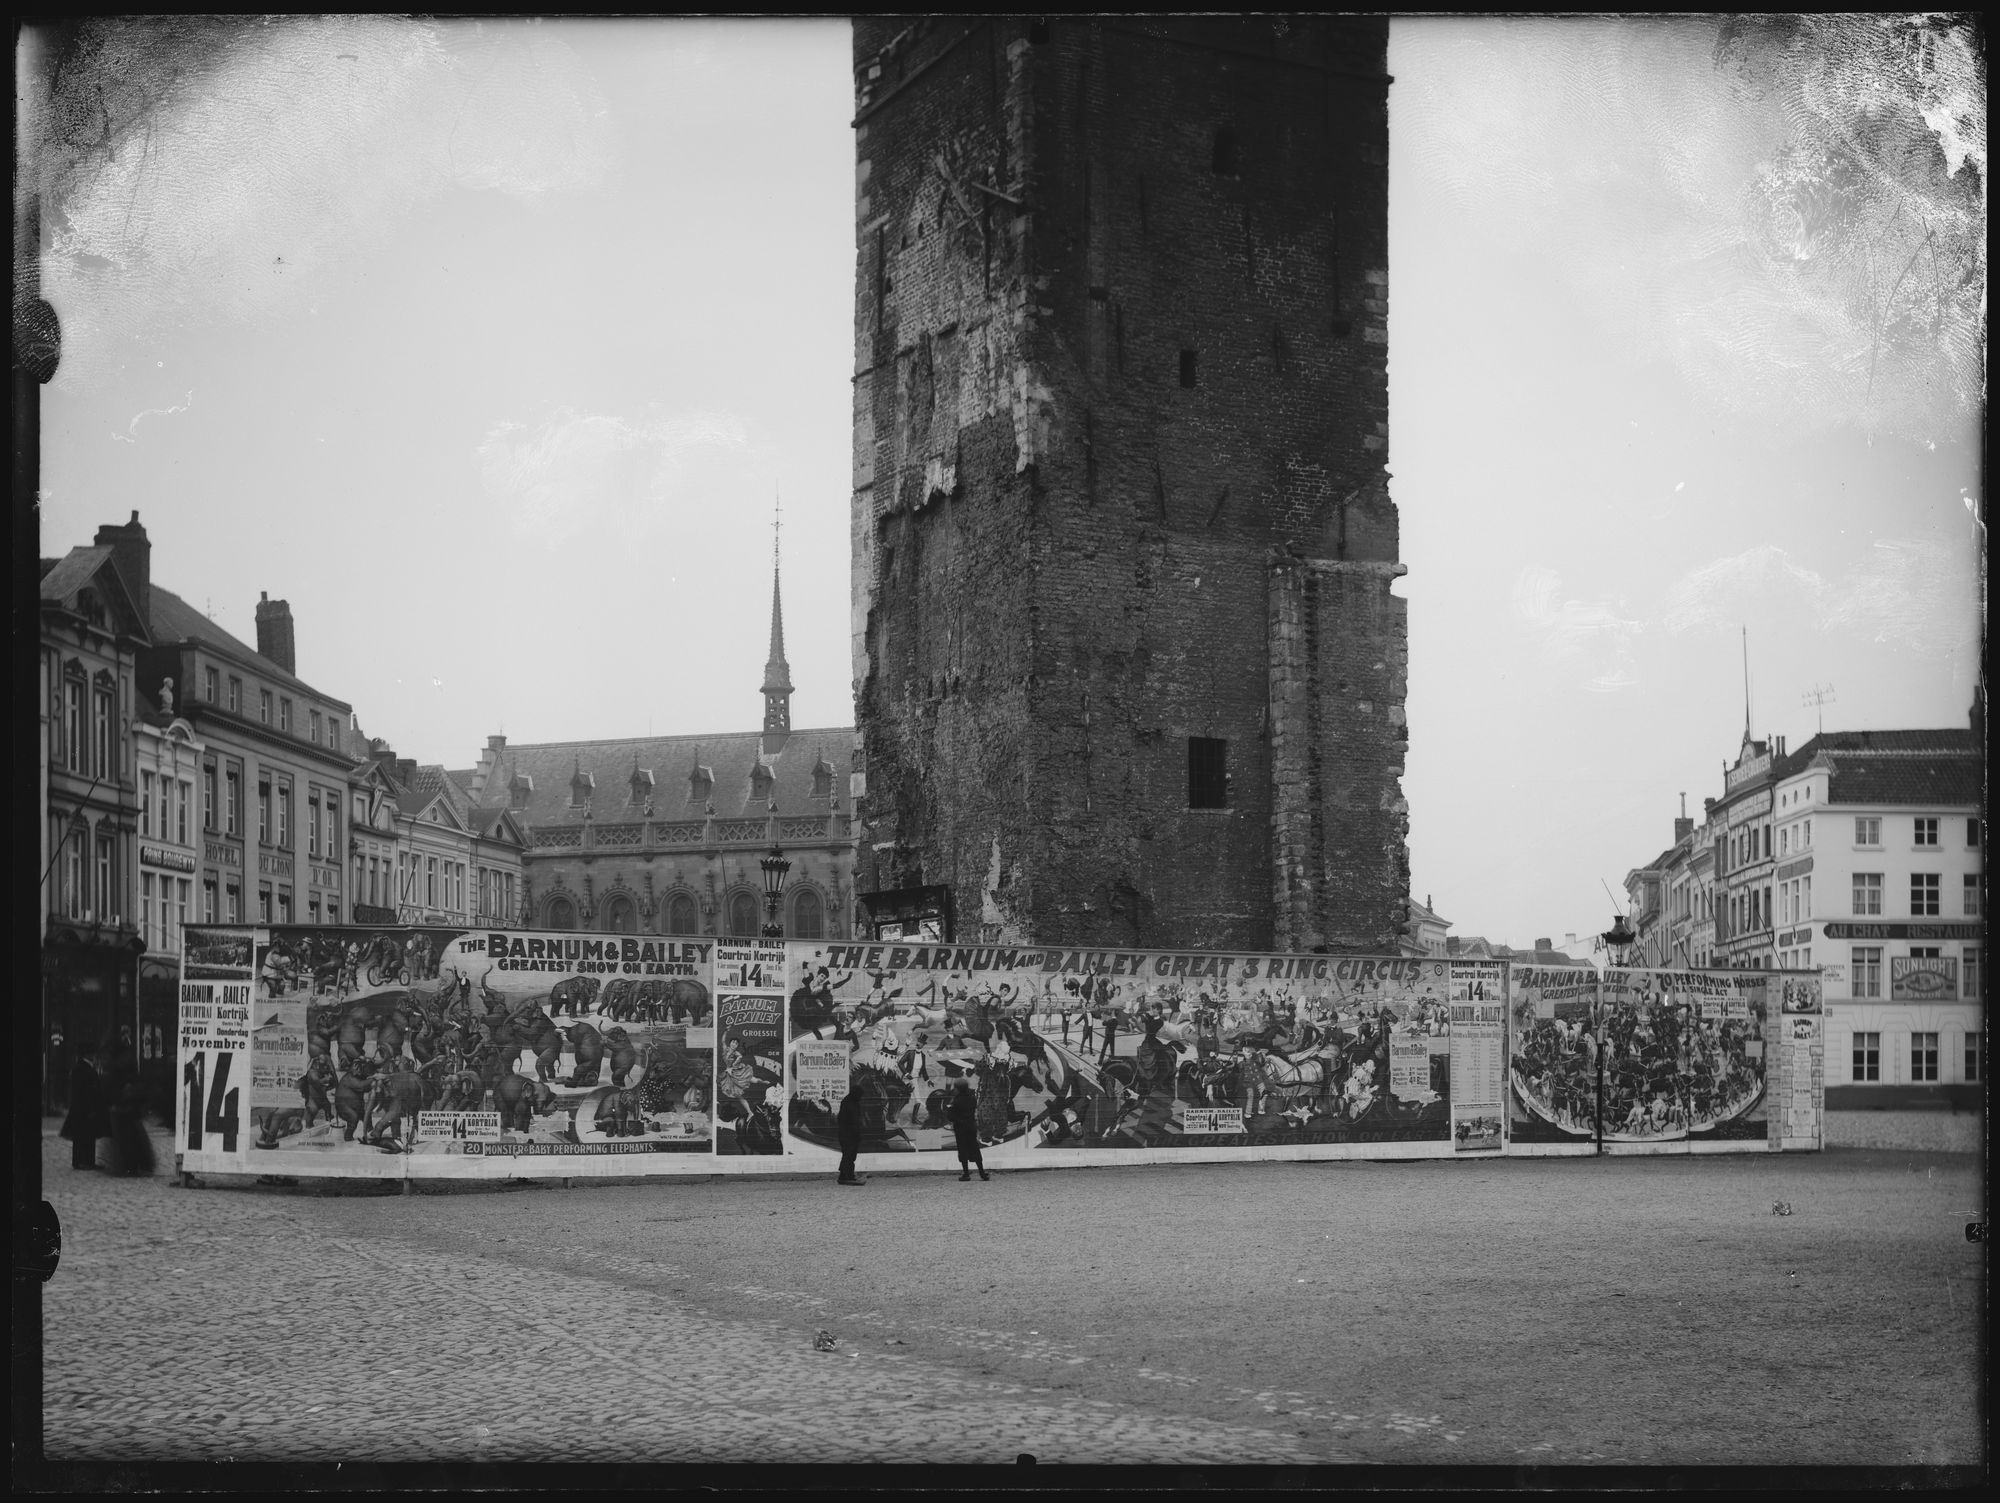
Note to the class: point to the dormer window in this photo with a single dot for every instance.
(581, 786)
(642, 786)
(762, 781)
(701, 786)
(520, 790)
(822, 778)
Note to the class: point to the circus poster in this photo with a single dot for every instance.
(750, 1047)
(1085, 1049)
(370, 1044)
(1552, 1057)
(1478, 1055)
(1683, 1057)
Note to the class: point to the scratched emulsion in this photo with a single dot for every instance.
(1789, 216)
(196, 170)
(1790, 212)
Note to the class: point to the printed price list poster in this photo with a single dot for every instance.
(1478, 1047)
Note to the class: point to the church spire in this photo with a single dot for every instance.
(777, 672)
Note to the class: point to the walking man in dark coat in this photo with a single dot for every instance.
(86, 1122)
(849, 1120)
(963, 1110)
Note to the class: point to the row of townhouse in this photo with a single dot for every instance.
(1859, 855)
(188, 777)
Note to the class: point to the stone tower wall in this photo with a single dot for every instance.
(1122, 389)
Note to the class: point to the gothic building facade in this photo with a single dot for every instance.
(1128, 665)
(664, 834)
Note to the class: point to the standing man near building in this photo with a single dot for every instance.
(86, 1122)
(849, 1120)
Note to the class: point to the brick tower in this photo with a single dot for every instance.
(1128, 668)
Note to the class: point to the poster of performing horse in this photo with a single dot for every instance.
(1088, 1049)
(1552, 1063)
(481, 1045)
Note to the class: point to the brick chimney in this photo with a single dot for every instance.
(274, 631)
(132, 557)
(1683, 828)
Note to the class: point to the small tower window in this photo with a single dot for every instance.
(1208, 772)
(1187, 367)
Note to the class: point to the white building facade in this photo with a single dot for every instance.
(1879, 881)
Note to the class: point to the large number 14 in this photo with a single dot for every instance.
(220, 1116)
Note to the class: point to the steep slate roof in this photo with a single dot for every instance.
(671, 759)
(420, 784)
(1921, 781)
(63, 577)
(1949, 739)
(175, 621)
(1896, 767)
(1420, 911)
(485, 821)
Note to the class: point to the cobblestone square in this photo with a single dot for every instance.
(1528, 1311)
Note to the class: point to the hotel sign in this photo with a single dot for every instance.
(172, 860)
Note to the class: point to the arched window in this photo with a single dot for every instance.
(682, 916)
(619, 916)
(562, 914)
(743, 922)
(807, 915)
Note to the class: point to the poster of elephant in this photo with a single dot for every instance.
(433, 1041)
(1072, 1049)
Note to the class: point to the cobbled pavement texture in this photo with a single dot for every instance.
(1638, 1311)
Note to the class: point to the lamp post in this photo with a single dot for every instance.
(1619, 939)
(776, 865)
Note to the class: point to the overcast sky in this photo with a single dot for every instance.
(488, 346)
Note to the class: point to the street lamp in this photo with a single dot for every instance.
(776, 865)
(1619, 938)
